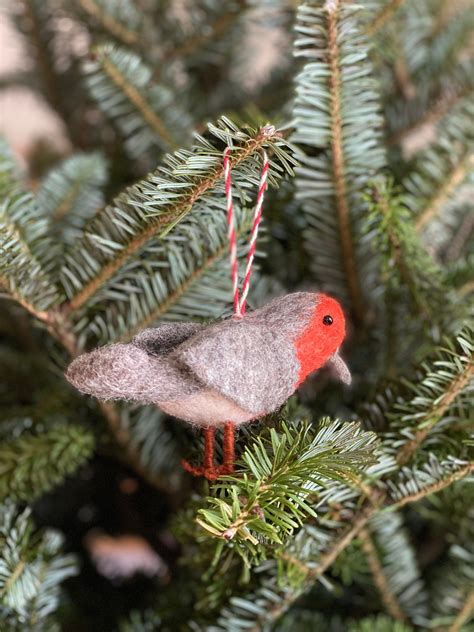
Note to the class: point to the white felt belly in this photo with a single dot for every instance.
(206, 408)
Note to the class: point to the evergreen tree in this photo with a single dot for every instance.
(351, 509)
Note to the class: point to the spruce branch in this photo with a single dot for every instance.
(40, 38)
(276, 477)
(155, 205)
(267, 604)
(338, 162)
(442, 474)
(462, 238)
(448, 376)
(121, 428)
(393, 562)
(137, 621)
(184, 277)
(217, 29)
(22, 274)
(314, 549)
(380, 623)
(442, 168)
(71, 193)
(31, 569)
(389, 599)
(145, 112)
(464, 614)
(33, 464)
(432, 114)
(385, 13)
(455, 178)
(336, 126)
(121, 20)
(404, 260)
(452, 589)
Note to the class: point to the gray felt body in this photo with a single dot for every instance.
(250, 362)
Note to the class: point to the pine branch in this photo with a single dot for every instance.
(336, 124)
(453, 584)
(449, 375)
(26, 248)
(315, 548)
(338, 161)
(394, 238)
(443, 168)
(380, 623)
(396, 569)
(121, 20)
(464, 614)
(433, 114)
(212, 33)
(33, 464)
(71, 193)
(141, 622)
(31, 570)
(145, 112)
(186, 279)
(431, 479)
(40, 38)
(268, 500)
(121, 428)
(154, 206)
(389, 599)
(383, 16)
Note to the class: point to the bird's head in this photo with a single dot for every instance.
(318, 342)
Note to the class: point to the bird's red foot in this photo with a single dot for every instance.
(209, 469)
(211, 472)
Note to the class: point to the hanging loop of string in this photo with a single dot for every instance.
(240, 298)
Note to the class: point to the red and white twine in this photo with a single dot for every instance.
(240, 298)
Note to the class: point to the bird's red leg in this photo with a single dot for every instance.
(208, 468)
(208, 462)
(229, 447)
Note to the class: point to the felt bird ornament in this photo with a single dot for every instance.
(223, 374)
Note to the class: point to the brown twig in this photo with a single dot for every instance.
(464, 614)
(435, 415)
(435, 487)
(436, 203)
(389, 599)
(338, 166)
(118, 30)
(138, 101)
(461, 237)
(383, 15)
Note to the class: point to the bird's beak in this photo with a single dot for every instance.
(339, 368)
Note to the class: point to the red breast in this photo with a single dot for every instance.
(321, 338)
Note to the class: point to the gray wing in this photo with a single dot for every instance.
(163, 339)
(247, 362)
(139, 371)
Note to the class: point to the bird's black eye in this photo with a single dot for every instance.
(327, 320)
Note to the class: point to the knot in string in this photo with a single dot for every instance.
(240, 298)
